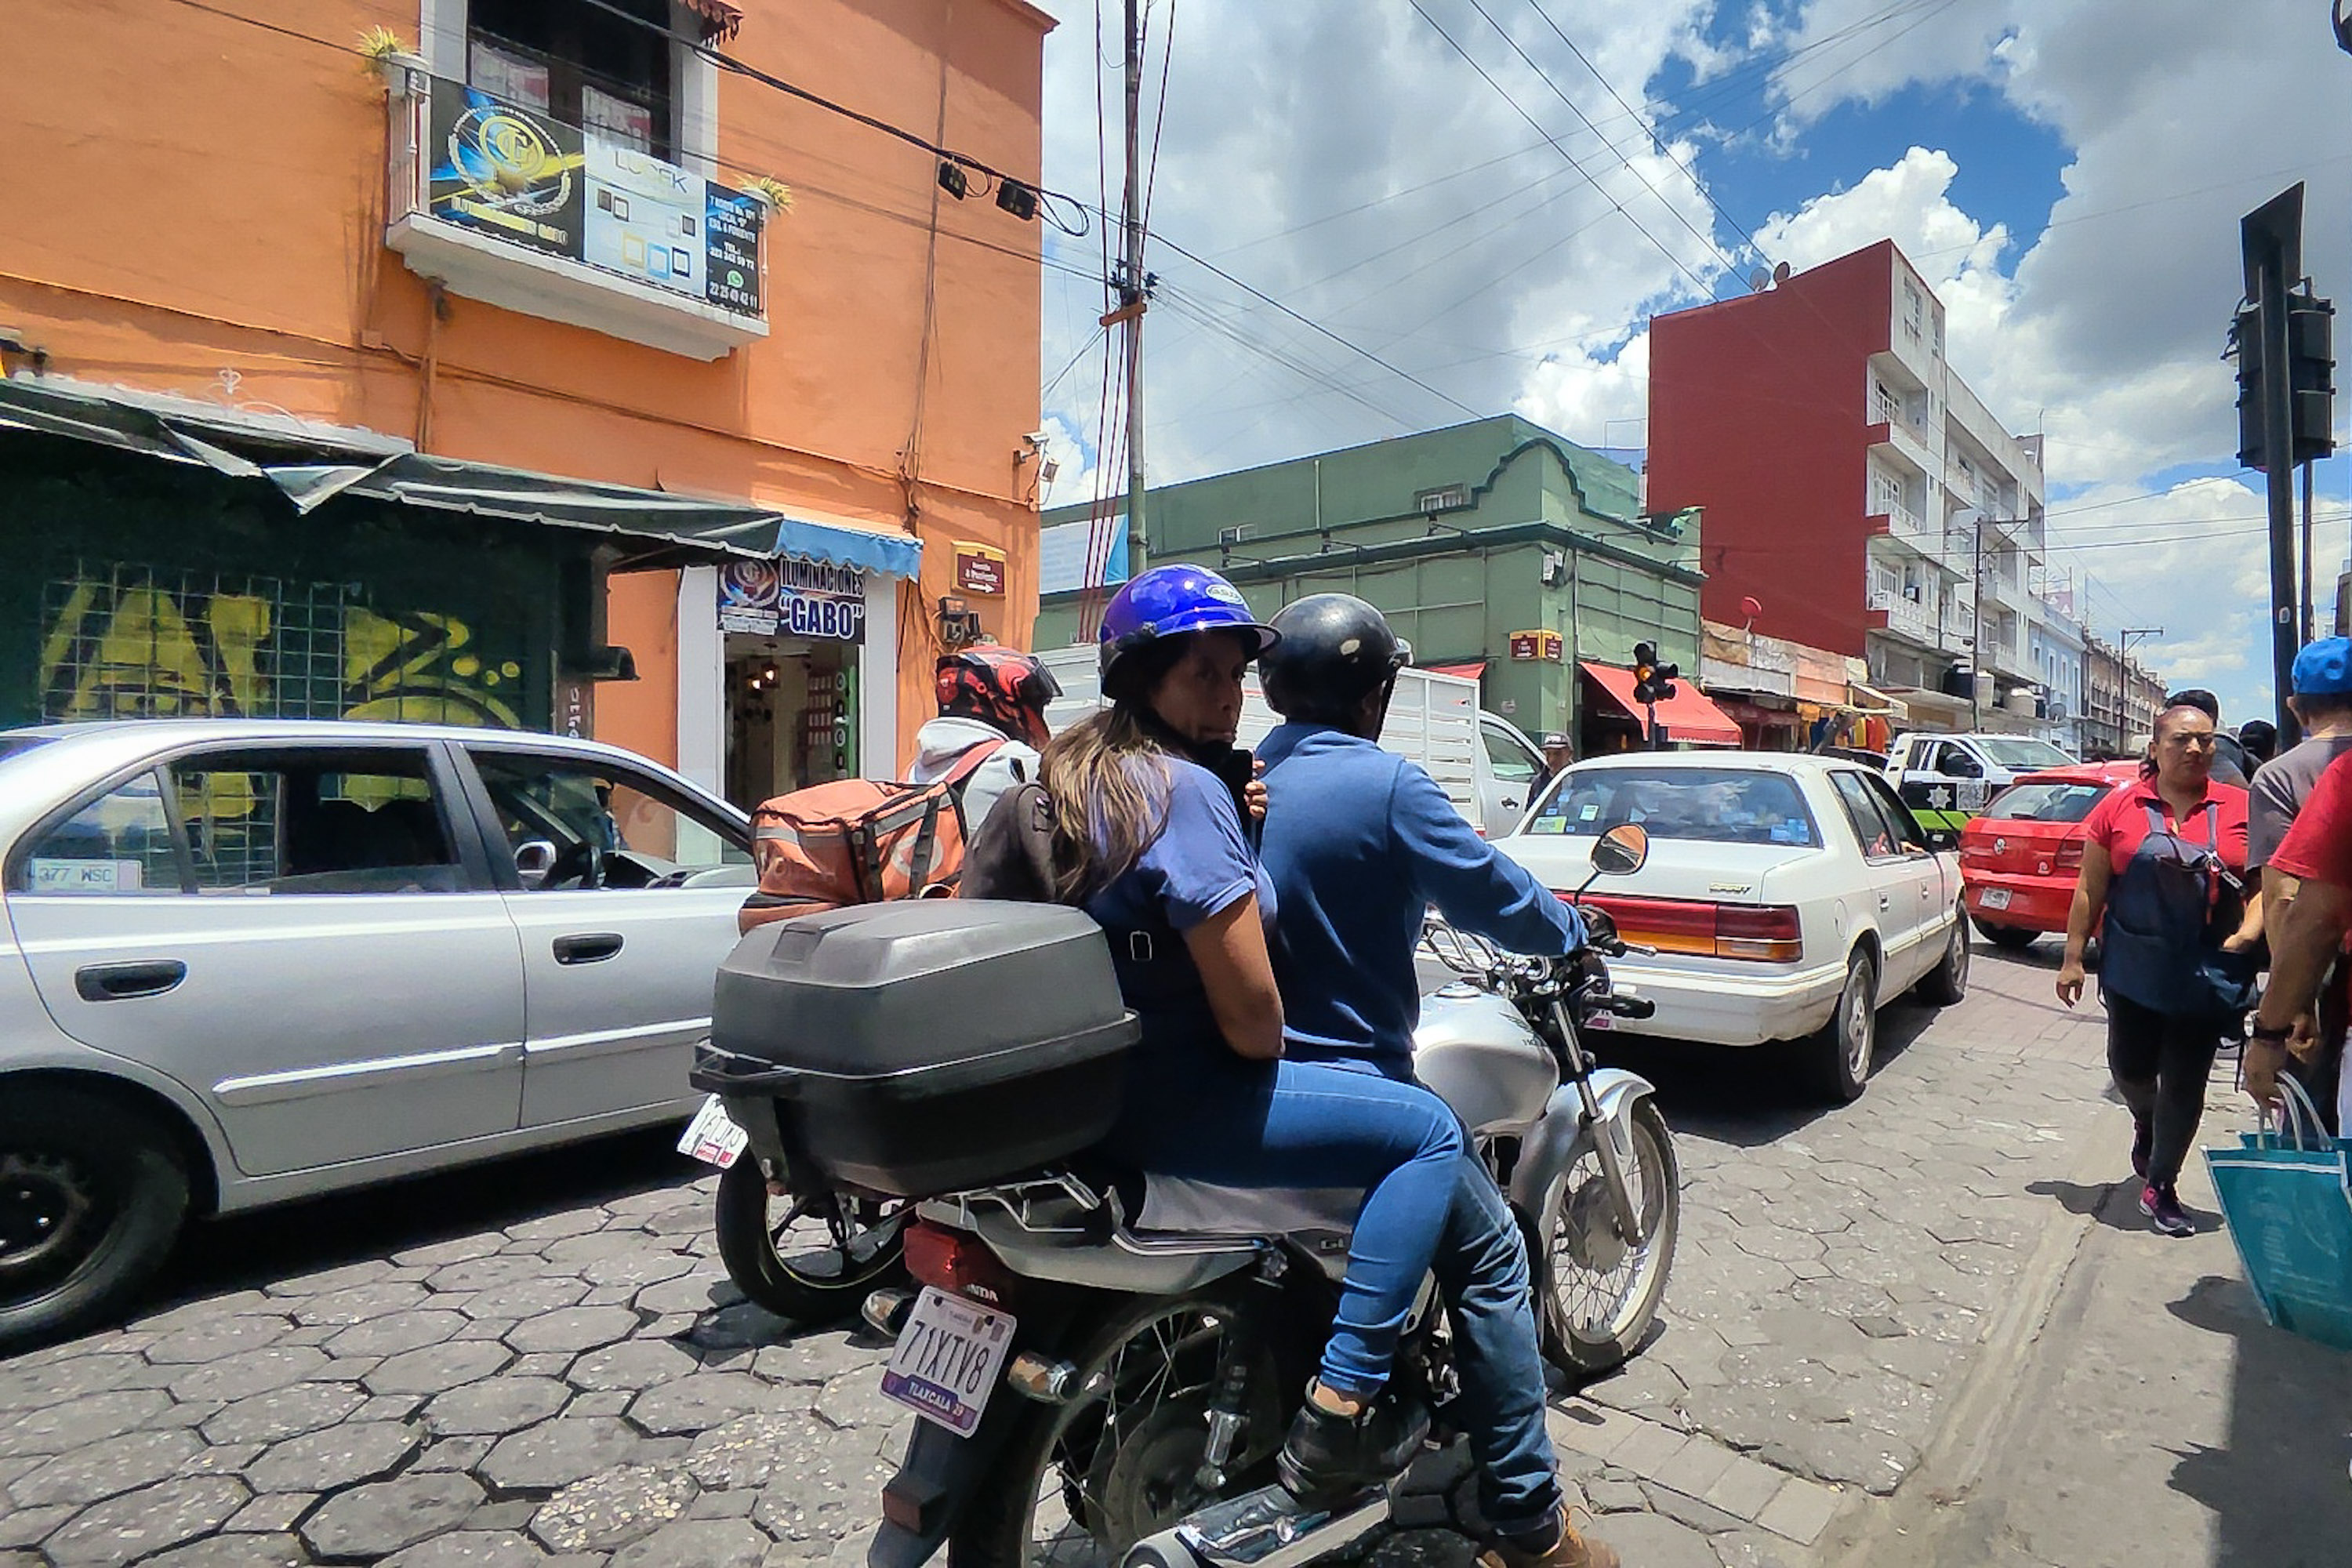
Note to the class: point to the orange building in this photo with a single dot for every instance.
(545, 328)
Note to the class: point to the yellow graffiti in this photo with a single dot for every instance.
(113, 650)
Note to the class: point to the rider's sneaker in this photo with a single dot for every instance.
(1563, 1547)
(1327, 1456)
(2164, 1215)
(2143, 1145)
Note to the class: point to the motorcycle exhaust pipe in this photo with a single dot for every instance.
(1265, 1529)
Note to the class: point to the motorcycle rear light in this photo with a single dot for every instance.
(959, 1264)
(1767, 934)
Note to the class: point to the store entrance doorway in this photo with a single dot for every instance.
(791, 715)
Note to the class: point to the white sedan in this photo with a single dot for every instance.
(1788, 897)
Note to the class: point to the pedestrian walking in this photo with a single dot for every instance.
(2323, 705)
(2168, 850)
(2309, 943)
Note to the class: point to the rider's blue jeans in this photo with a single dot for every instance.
(1215, 1117)
(1481, 1272)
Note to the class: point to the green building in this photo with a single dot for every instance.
(1465, 538)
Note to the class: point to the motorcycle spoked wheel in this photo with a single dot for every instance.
(795, 1268)
(1598, 1292)
(1080, 1483)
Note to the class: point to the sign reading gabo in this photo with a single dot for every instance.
(791, 598)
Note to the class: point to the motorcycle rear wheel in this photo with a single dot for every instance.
(1079, 1484)
(796, 1271)
(1597, 1295)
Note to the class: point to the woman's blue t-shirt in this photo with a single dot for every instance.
(1197, 865)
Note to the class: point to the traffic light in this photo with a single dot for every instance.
(1653, 681)
(2311, 365)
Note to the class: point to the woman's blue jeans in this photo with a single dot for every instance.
(1212, 1116)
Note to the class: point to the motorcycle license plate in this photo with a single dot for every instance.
(1604, 1022)
(712, 1137)
(1994, 899)
(948, 1359)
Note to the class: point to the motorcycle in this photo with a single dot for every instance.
(1106, 1363)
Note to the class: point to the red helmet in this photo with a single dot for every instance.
(1000, 687)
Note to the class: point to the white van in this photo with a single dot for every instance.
(1485, 767)
(1946, 779)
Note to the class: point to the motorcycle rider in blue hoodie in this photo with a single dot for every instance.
(1357, 843)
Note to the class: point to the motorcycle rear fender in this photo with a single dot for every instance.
(943, 1472)
(1559, 1140)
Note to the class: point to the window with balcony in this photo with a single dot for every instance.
(605, 68)
(553, 161)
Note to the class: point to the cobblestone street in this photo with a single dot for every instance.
(547, 1365)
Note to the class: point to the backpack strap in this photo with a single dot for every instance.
(969, 762)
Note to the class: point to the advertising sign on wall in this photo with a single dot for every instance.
(1541, 644)
(520, 176)
(979, 569)
(791, 598)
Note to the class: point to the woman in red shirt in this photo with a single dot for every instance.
(2174, 843)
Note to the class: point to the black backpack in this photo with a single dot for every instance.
(1011, 854)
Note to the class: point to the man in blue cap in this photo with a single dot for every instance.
(2321, 703)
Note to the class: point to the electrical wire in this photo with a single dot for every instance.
(1500, 91)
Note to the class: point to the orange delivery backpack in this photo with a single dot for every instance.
(859, 841)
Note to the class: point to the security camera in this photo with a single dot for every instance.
(1038, 437)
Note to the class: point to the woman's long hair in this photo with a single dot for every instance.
(1106, 809)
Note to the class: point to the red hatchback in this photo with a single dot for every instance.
(2020, 861)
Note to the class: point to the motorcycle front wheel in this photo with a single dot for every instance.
(782, 1254)
(1080, 1483)
(1599, 1293)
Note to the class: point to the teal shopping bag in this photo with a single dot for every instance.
(2287, 1196)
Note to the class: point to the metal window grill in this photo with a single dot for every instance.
(124, 642)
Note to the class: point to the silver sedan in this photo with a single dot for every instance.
(245, 962)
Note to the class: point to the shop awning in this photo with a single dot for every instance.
(1688, 715)
(314, 464)
(1871, 702)
(1470, 669)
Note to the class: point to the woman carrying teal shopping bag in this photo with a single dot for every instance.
(2176, 977)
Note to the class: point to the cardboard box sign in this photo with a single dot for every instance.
(979, 569)
(1544, 645)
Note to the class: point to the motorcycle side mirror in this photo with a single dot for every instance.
(1621, 851)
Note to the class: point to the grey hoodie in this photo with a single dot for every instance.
(941, 744)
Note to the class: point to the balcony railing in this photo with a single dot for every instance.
(1905, 615)
(511, 206)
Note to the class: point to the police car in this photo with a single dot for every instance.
(1946, 779)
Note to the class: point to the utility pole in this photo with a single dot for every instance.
(1132, 289)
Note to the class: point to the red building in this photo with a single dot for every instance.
(1852, 485)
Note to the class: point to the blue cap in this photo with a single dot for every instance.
(2325, 669)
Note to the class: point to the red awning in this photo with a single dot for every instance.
(1476, 669)
(1688, 715)
(719, 19)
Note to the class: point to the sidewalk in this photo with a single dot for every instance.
(2154, 1418)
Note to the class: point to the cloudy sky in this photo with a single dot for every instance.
(1468, 207)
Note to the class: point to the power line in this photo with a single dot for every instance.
(1655, 139)
(1623, 162)
(1504, 94)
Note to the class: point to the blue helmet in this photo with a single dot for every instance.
(1170, 601)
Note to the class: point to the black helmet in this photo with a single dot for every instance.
(1336, 650)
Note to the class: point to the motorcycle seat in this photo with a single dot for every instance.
(1178, 1206)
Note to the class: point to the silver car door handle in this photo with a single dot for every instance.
(1885, 902)
(125, 981)
(589, 947)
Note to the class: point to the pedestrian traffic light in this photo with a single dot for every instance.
(2311, 365)
(1653, 681)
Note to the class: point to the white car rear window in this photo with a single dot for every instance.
(1706, 805)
